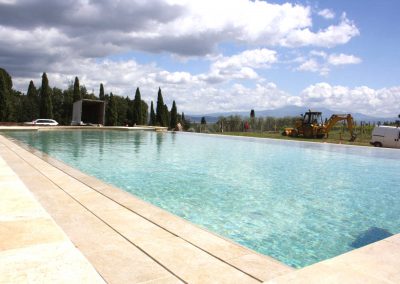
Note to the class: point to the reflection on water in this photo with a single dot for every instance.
(159, 141)
(137, 140)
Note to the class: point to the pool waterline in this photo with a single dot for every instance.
(266, 212)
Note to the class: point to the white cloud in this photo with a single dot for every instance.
(343, 59)
(256, 58)
(239, 66)
(181, 27)
(318, 53)
(381, 102)
(327, 14)
(320, 62)
(331, 36)
(73, 38)
(313, 65)
(309, 65)
(195, 95)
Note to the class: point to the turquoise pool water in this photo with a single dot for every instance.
(297, 202)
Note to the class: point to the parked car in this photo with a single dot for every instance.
(386, 136)
(42, 121)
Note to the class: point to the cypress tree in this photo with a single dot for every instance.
(32, 107)
(183, 121)
(166, 117)
(4, 99)
(137, 106)
(32, 91)
(46, 106)
(152, 115)
(7, 79)
(145, 112)
(112, 112)
(101, 93)
(77, 92)
(173, 121)
(160, 113)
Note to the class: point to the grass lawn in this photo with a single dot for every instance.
(334, 137)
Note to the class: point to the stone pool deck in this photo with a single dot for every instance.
(101, 233)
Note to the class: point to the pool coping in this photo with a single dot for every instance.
(249, 265)
(32, 245)
(377, 262)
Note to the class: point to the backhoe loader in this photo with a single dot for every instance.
(310, 125)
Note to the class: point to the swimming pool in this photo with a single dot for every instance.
(297, 202)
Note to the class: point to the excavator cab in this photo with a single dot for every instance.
(310, 125)
(312, 117)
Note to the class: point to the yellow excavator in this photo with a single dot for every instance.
(310, 125)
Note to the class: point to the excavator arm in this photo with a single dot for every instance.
(335, 118)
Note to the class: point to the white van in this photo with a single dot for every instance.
(386, 136)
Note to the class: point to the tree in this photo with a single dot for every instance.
(77, 92)
(160, 110)
(7, 79)
(57, 102)
(67, 105)
(46, 107)
(152, 115)
(137, 108)
(5, 96)
(203, 123)
(101, 93)
(129, 111)
(111, 111)
(185, 122)
(145, 112)
(252, 120)
(173, 120)
(31, 103)
(121, 110)
(166, 116)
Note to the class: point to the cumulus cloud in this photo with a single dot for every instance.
(309, 65)
(321, 62)
(195, 95)
(75, 37)
(239, 66)
(327, 14)
(381, 102)
(343, 59)
(90, 29)
(329, 37)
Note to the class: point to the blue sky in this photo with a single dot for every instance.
(212, 56)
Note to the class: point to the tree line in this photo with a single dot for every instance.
(55, 103)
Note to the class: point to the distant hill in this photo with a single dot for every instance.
(286, 111)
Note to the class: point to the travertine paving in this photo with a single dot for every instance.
(33, 249)
(376, 263)
(128, 240)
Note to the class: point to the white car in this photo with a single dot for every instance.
(42, 121)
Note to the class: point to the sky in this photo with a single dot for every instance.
(212, 56)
